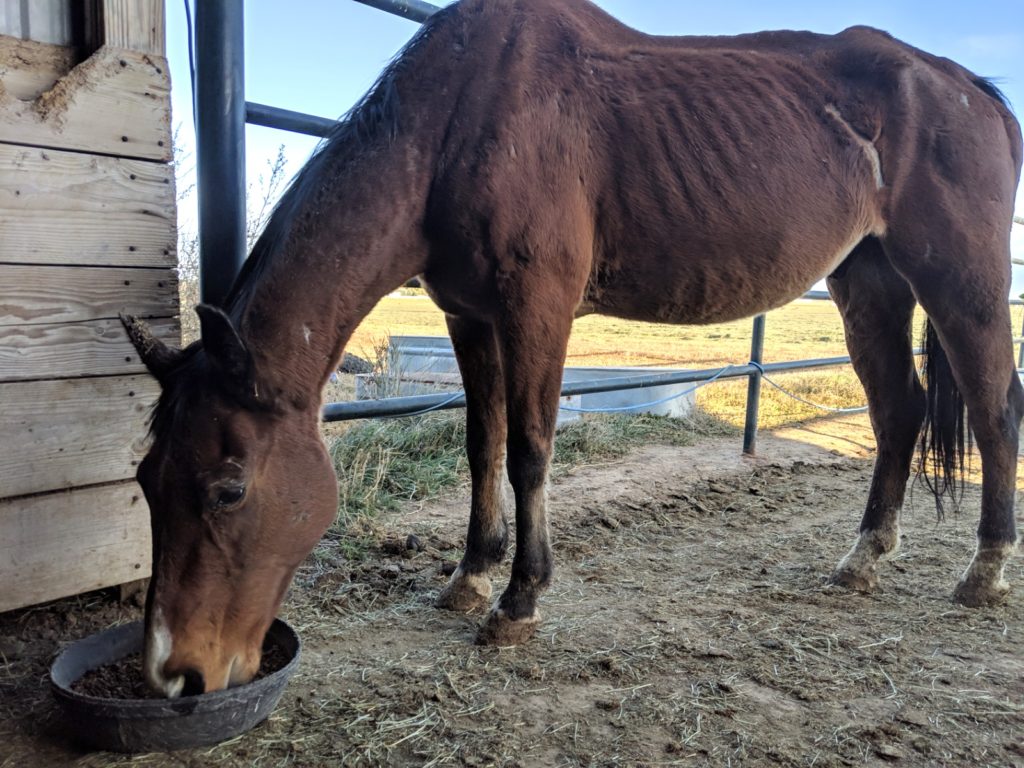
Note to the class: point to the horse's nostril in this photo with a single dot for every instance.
(194, 683)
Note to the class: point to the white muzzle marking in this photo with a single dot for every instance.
(158, 651)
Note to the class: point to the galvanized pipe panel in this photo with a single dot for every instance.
(220, 145)
(404, 406)
(287, 120)
(754, 387)
(414, 10)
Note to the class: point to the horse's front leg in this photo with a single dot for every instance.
(469, 588)
(534, 354)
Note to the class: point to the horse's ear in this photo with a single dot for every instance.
(227, 352)
(158, 358)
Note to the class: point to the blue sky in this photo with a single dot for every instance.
(320, 56)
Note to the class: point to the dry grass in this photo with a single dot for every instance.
(384, 463)
(834, 388)
(801, 330)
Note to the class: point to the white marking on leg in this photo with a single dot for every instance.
(306, 333)
(870, 151)
(894, 541)
(988, 565)
(870, 547)
(502, 615)
(158, 651)
(478, 583)
(965, 101)
(501, 493)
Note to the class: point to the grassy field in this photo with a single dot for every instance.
(801, 330)
(791, 333)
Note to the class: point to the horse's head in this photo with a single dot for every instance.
(240, 489)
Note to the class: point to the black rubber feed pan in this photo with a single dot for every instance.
(156, 725)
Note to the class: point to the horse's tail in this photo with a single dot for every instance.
(945, 437)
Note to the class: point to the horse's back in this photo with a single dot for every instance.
(696, 179)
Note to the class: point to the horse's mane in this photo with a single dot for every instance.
(375, 117)
(988, 86)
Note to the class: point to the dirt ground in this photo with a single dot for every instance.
(689, 624)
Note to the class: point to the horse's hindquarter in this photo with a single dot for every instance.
(732, 185)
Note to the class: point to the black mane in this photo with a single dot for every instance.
(989, 87)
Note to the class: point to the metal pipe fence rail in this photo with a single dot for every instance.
(222, 113)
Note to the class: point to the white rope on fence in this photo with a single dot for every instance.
(794, 396)
(430, 409)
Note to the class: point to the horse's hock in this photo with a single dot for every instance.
(87, 212)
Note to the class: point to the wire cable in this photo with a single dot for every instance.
(819, 406)
(431, 409)
(661, 401)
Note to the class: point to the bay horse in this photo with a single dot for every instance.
(534, 160)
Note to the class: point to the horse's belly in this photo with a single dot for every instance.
(716, 288)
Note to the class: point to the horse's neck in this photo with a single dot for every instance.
(358, 238)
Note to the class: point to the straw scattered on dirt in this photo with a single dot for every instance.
(689, 624)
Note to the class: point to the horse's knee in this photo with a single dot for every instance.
(528, 462)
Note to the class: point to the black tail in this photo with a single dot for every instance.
(944, 434)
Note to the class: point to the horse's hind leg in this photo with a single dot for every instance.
(877, 306)
(959, 269)
(479, 360)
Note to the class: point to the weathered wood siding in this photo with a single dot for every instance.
(64, 543)
(87, 230)
(77, 209)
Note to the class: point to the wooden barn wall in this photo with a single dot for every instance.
(87, 230)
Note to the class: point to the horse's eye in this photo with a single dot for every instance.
(228, 496)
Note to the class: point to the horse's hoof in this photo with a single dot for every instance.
(465, 593)
(973, 593)
(857, 579)
(983, 583)
(498, 629)
(858, 570)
